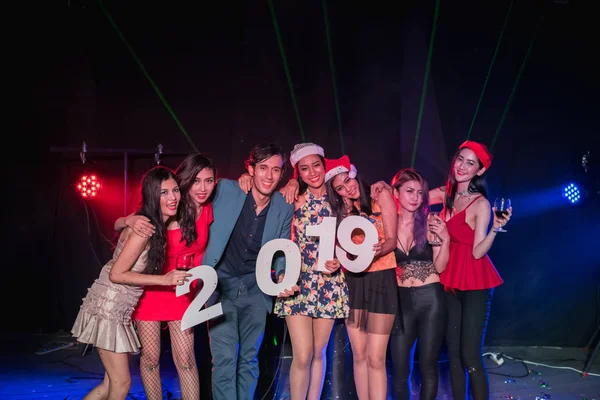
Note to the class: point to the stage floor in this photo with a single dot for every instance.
(66, 374)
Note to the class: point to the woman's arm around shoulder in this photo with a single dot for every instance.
(437, 195)
(133, 248)
(389, 215)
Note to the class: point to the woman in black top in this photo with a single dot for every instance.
(422, 311)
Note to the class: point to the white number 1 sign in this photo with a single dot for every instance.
(325, 231)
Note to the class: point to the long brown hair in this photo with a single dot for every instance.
(151, 189)
(337, 202)
(186, 176)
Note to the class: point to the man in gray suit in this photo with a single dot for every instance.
(243, 223)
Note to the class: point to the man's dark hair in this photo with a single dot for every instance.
(264, 151)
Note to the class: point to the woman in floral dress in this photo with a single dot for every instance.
(322, 296)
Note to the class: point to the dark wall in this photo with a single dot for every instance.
(221, 72)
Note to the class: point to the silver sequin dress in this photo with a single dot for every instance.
(104, 318)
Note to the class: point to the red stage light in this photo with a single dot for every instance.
(88, 185)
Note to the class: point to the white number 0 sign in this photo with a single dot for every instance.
(363, 253)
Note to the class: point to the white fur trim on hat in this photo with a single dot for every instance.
(305, 149)
(340, 169)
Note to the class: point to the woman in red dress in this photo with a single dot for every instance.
(470, 277)
(185, 236)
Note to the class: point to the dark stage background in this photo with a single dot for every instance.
(219, 67)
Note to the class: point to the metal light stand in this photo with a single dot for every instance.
(157, 153)
(586, 163)
(592, 356)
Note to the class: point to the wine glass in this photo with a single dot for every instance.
(432, 215)
(501, 206)
(185, 262)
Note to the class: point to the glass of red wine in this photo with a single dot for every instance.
(185, 262)
(501, 206)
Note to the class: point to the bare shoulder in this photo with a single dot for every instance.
(481, 205)
(482, 202)
(130, 237)
(125, 234)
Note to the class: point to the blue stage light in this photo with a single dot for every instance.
(572, 193)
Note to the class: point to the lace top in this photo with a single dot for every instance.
(414, 264)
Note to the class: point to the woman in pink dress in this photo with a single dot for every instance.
(188, 235)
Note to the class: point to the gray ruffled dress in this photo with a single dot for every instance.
(104, 318)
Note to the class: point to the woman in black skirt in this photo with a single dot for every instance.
(372, 293)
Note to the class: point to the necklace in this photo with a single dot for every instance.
(465, 193)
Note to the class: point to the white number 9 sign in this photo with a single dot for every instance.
(326, 233)
(364, 251)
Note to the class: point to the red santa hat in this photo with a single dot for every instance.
(481, 151)
(335, 167)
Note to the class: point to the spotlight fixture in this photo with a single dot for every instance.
(88, 185)
(572, 193)
(583, 184)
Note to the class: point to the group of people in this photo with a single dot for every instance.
(413, 292)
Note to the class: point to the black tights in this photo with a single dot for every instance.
(423, 317)
(468, 313)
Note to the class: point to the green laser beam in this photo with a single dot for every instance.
(288, 75)
(424, 91)
(487, 78)
(333, 79)
(515, 86)
(139, 62)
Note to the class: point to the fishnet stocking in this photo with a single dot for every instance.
(182, 345)
(149, 333)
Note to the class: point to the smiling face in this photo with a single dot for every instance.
(202, 186)
(466, 166)
(266, 174)
(312, 171)
(345, 186)
(169, 198)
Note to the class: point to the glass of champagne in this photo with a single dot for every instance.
(501, 206)
(432, 220)
(185, 262)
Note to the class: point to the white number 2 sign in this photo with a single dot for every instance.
(194, 314)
